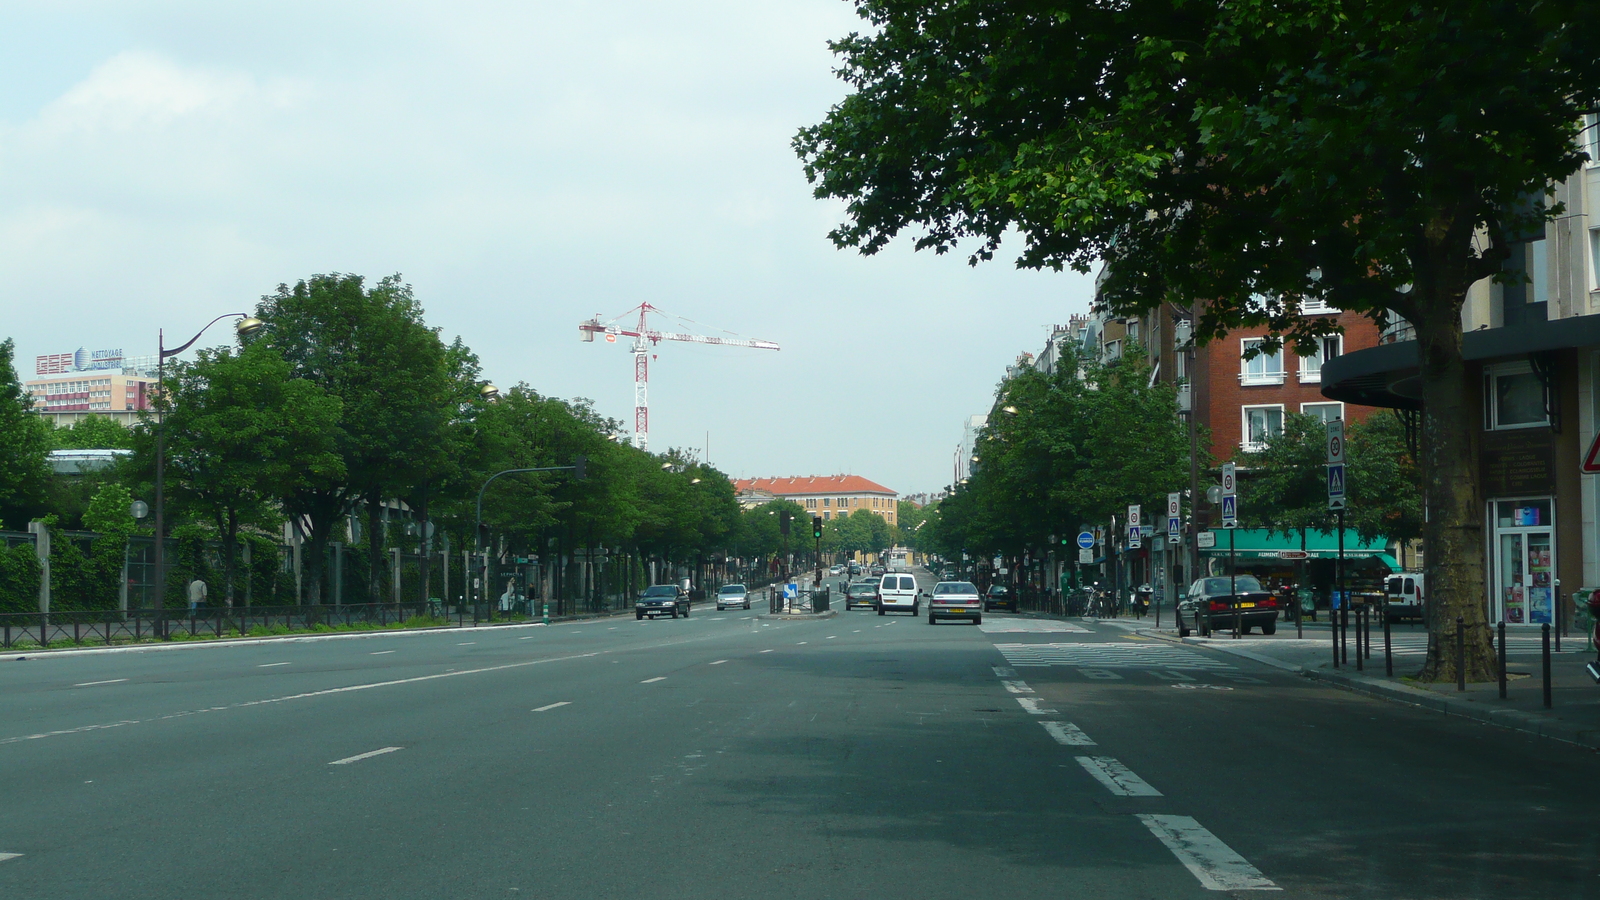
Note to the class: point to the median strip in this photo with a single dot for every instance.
(360, 756)
(1216, 864)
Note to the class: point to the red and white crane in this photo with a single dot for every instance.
(644, 339)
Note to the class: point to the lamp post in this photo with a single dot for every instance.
(578, 469)
(246, 326)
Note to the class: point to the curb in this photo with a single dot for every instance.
(1513, 719)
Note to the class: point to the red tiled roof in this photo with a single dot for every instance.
(819, 484)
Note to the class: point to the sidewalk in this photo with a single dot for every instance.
(1574, 715)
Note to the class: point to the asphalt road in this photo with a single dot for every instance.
(731, 756)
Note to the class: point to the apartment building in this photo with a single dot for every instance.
(66, 398)
(823, 495)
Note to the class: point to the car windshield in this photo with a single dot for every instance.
(661, 590)
(954, 587)
(1215, 587)
(732, 589)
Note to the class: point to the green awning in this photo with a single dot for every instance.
(1258, 543)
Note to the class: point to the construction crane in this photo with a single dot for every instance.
(645, 338)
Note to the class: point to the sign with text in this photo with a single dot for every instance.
(1206, 540)
(1336, 442)
(1085, 556)
(1174, 513)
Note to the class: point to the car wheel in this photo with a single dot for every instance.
(674, 612)
(747, 604)
(977, 620)
(686, 612)
(1183, 630)
(913, 610)
(1244, 629)
(930, 618)
(880, 610)
(1269, 627)
(1205, 627)
(639, 616)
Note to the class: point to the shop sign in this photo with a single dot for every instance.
(1520, 461)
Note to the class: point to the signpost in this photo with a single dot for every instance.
(1135, 537)
(1230, 521)
(1336, 484)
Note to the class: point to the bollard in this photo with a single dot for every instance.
(1333, 632)
(1388, 649)
(1360, 613)
(1560, 624)
(1461, 654)
(1501, 637)
(1545, 633)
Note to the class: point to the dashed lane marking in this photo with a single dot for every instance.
(466, 643)
(654, 680)
(270, 665)
(360, 756)
(550, 706)
(6, 856)
(1109, 655)
(1117, 778)
(1017, 687)
(1004, 671)
(381, 652)
(766, 651)
(107, 681)
(1068, 734)
(1217, 865)
(718, 662)
(1031, 704)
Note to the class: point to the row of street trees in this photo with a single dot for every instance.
(346, 402)
(1377, 156)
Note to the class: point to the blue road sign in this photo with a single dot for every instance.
(1336, 486)
(1230, 511)
(1085, 540)
(1134, 543)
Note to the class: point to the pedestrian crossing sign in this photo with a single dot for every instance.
(1336, 486)
(1230, 511)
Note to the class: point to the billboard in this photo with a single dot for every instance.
(79, 360)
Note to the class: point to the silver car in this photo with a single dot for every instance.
(955, 600)
(732, 595)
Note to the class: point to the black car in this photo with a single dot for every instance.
(999, 597)
(1218, 602)
(662, 600)
(861, 593)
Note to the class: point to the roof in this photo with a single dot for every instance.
(812, 484)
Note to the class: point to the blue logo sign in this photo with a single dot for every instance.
(1085, 540)
(1230, 510)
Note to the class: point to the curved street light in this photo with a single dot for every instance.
(245, 327)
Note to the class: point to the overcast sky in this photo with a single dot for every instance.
(524, 165)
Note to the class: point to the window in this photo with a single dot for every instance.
(1594, 259)
(1263, 368)
(1590, 139)
(811, 504)
(1324, 412)
(827, 501)
(1317, 306)
(1513, 398)
(1113, 350)
(1328, 347)
(1261, 425)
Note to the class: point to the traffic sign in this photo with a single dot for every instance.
(1591, 460)
(1336, 486)
(1205, 540)
(1134, 540)
(1133, 515)
(1085, 556)
(1230, 511)
(1174, 513)
(1336, 442)
(1230, 485)
(1085, 540)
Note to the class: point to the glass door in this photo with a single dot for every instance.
(1510, 578)
(1541, 605)
(1524, 563)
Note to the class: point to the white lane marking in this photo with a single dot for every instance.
(532, 636)
(1004, 671)
(1216, 864)
(360, 756)
(1017, 687)
(466, 643)
(857, 631)
(653, 680)
(551, 706)
(802, 642)
(1031, 704)
(1100, 674)
(1068, 734)
(1117, 778)
(832, 636)
(380, 652)
(270, 665)
(107, 681)
(6, 856)
(247, 704)
(766, 651)
(718, 662)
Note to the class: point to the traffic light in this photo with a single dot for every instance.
(580, 467)
(816, 526)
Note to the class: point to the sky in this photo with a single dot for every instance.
(524, 166)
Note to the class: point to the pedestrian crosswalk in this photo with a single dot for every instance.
(1110, 655)
(1031, 626)
(1412, 644)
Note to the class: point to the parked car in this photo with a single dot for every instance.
(732, 595)
(861, 593)
(662, 600)
(1407, 592)
(1213, 602)
(955, 600)
(999, 597)
(899, 593)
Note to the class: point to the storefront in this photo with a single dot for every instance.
(1523, 561)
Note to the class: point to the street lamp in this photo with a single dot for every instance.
(246, 326)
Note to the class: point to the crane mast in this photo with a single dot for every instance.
(645, 338)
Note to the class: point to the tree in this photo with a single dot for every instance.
(1241, 156)
(1382, 479)
(243, 436)
(1286, 488)
(93, 433)
(24, 448)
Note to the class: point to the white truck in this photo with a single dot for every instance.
(1406, 593)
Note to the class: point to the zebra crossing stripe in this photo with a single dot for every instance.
(1117, 778)
(1017, 687)
(1068, 734)
(1031, 704)
(1216, 864)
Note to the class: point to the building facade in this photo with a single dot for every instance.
(66, 398)
(827, 496)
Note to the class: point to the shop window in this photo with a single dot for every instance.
(1261, 425)
(1323, 412)
(1263, 368)
(1513, 398)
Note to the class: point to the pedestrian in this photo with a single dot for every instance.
(197, 595)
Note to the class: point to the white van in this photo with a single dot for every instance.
(1406, 594)
(898, 592)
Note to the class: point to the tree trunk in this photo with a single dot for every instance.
(1453, 531)
(374, 548)
(424, 542)
(230, 554)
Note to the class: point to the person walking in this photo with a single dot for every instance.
(197, 596)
